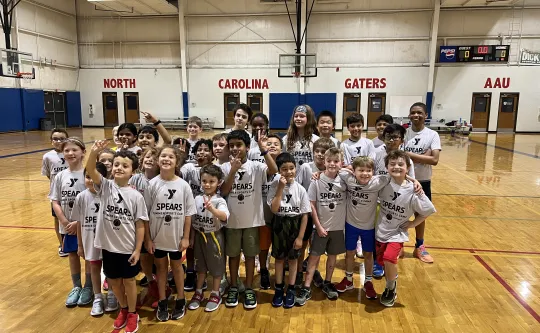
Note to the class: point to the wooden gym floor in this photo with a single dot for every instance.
(485, 239)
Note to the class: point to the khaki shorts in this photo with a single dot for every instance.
(332, 244)
(209, 251)
(242, 240)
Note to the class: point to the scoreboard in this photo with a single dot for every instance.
(478, 53)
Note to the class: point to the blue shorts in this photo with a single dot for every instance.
(366, 236)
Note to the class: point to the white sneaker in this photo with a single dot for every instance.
(359, 252)
(112, 302)
(97, 307)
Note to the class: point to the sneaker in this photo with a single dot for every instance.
(97, 307)
(205, 285)
(250, 299)
(112, 302)
(144, 281)
(232, 297)
(121, 319)
(277, 301)
(241, 287)
(223, 284)
(378, 271)
(86, 296)
(190, 281)
(388, 298)
(289, 299)
(132, 325)
(330, 290)
(359, 253)
(318, 280)
(179, 309)
(369, 290)
(344, 285)
(61, 253)
(168, 293)
(265, 279)
(303, 296)
(213, 303)
(304, 265)
(73, 297)
(105, 285)
(422, 254)
(196, 300)
(163, 310)
(299, 280)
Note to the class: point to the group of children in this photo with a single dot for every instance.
(238, 195)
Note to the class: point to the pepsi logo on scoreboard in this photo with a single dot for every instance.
(448, 54)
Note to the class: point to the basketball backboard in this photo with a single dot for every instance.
(17, 64)
(297, 65)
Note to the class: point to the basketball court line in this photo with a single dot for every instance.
(484, 218)
(35, 151)
(508, 288)
(486, 195)
(24, 180)
(503, 148)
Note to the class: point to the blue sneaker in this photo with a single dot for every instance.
(378, 271)
(289, 298)
(277, 301)
(73, 297)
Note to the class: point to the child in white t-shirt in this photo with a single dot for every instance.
(326, 122)
(301, 134)
(356, 145)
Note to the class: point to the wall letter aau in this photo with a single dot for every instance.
(499, 83)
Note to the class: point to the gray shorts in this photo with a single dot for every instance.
(332, 244)
(209, 251)
(242, 240)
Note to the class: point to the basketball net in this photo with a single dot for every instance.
(26, 77)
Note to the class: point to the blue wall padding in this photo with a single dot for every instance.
(185, 105)
(74, 112)
(10, 110)
(33, 106)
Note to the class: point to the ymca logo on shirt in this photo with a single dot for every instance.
(70, 195)
(393, 207)
(171, 194)
(396, 195)
(416, 150)
(416, 140)
(287, 198)
(242, 191)
(89, 223)
(241, 175)
(96, 207)
(358, 150)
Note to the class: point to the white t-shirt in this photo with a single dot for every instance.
(419, 143)
(294, 200)
(191, 173)
(121, 208)
(204, 220)
(380, 166)
(265, 189)
(330, 197)
(86, 210)
(135, 149)
(254, 154)
(64, 189)
(362, 200)
(53, 162)
(377, 142)
(245, 198)
(303, 175)
(398, 204)
(191, 158)
(352, 149)
(139, 182)
(168, 204)
(302, 150)
(314, 168)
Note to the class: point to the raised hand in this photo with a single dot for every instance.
(262, 140)
(236, 163)
(99, 145)
(208, 203)
(149, 117)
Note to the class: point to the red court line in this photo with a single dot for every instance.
(506, 286)
(25, 227)
(477, 250)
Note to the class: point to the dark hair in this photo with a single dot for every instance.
(243, 107)
(420, 104)
(262, 116)
(196, 120)
(59, 130)
(355, 118)
(130, 126)
(220, 136)
(395, 128)
(326, 113)
(386, 118)
(396, 154)
(275, 136)
(203, 142)
(239, 135)
(324, 143)
(179, 141)
(101, 168)
(213, 170)
(127, 154)
(284, 158)
(151, 130)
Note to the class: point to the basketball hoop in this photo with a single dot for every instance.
(296, 74)
(27, 77)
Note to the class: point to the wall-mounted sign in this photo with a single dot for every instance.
(365, 83)
(119, 83)
(529, 57)
(498, 82)
(243, 84)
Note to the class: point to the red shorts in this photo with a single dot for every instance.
(388, 252)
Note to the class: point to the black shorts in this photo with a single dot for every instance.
(309, 229)
(285, 230)
(117, 266)
(173, 255)
(143, 249)
(52, 210)
(426, 186)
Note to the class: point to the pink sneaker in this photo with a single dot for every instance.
(344, 285)
(370, 290)
(122, 319)
(422, 254)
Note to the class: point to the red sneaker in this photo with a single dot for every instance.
(132, 323)
(344, 285)
(122, 319)
(370, 290)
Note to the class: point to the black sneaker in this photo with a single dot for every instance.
(179, 309)
(232, 297)
(303, 296)
(265, 279)
(205, 285)
(144, 282)
(388, 297)
(289, 298)
(330, 290)
(318, 281)
(299, 280)
(163, 310)
(304, 265)
(191, 281)
(250, 299)
(277, 301)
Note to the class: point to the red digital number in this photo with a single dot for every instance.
(482, 50)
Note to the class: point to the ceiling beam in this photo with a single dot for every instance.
(148, 6)
(466, 2)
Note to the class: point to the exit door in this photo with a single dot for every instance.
(508, 108)
(481, 104)
(351, 105)
(376, 108)
(131, 107)
(255, 102)
(110, 109)
(230, 101)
